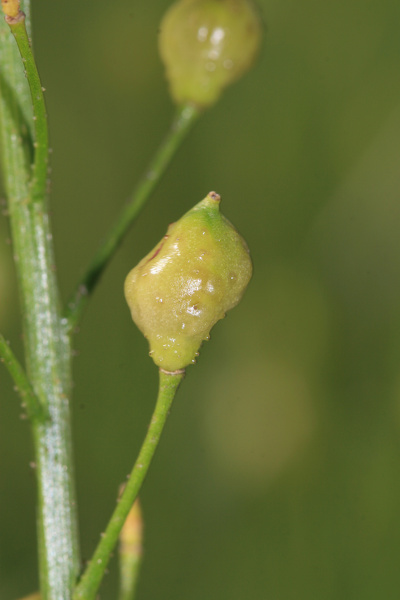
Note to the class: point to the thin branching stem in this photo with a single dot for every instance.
(91, 579)
(181, 125)
(31, 402)
(38, 181)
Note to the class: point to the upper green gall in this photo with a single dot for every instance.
(198, 271)
(206, 45)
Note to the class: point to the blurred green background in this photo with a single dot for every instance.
(278, 477)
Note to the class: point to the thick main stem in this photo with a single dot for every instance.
(47, 355)
(46, 342)
(48, 351)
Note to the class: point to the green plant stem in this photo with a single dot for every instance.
(91, 579)
(181, 125)
(23, 386)
(130, 552)
(47, 347)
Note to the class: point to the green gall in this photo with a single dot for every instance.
(206, 45)
(198, 272)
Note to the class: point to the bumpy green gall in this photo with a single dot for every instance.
(198, 272)
(206, 45)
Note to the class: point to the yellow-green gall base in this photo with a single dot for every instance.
(198, 272)
(206, 45)
(11, 8)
